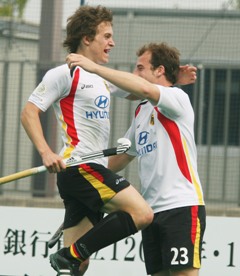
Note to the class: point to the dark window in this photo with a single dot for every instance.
(220, 109)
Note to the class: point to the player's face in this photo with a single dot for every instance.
(102, 44)
(144, 69)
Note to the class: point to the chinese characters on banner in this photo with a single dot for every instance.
(24, 235)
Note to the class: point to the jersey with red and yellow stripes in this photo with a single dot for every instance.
(162, 138)
(81, 104)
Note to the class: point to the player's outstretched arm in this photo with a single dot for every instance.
(124, 80)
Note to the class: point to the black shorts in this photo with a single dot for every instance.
(174, 239)
(85, 189)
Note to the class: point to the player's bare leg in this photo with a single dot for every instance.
(186, 272)
(130, 201)
(72, 234)
(127, 212)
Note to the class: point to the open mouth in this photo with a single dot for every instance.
(106, 51)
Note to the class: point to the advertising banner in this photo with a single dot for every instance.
(24, 233)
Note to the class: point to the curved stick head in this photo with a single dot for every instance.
(124, 145)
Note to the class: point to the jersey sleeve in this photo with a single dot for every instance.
(130, 134)
(117, 92)
(53, 86)
(173, 101)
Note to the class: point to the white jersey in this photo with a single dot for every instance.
(81, 104)
(163, 139)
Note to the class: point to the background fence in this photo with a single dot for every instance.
(208, 37)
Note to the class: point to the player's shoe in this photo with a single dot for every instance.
(62, 265)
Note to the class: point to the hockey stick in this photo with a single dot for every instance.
(56, 237)
(124, 145)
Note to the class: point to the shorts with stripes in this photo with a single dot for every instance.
(174, 239)
(85, 189)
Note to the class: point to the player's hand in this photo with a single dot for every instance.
(74, 60)
(187, 74)
(53, 162)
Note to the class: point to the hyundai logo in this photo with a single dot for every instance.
(143, 137)
(102, 101)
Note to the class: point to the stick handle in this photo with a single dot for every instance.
(22, 174)
(72, 161)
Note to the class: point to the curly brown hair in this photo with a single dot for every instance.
(84, 22)
(163, 54)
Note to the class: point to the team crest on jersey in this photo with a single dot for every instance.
(40, 89)
(152, 120)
